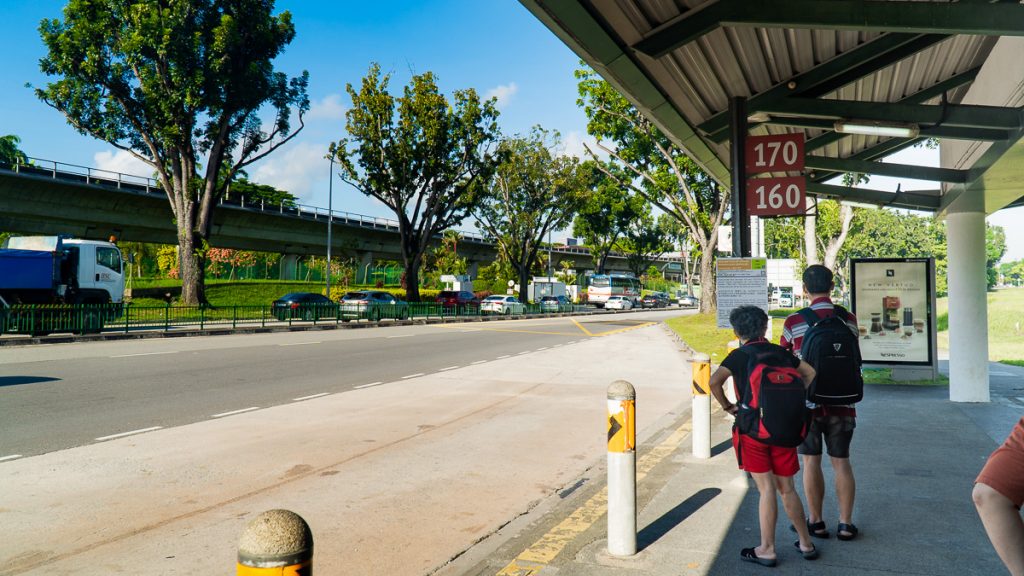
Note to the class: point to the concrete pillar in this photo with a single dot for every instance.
(473, 269)
(968, 307)
(289, 266)
(365, 263)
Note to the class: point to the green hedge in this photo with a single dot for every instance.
(426, 295)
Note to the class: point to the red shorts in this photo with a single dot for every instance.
(757, 458)
(1004, 471)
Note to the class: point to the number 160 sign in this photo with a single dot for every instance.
(776, 196)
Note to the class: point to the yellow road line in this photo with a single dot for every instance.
(543, 551)
(580, 326)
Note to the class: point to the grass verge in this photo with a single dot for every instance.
(884, 376)
(700, 332)
(1005, 324)
(1012, 362)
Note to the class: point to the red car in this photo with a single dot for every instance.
(459, 299)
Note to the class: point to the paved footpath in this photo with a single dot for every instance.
(915, 455)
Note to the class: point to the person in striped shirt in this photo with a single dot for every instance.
(833, 424)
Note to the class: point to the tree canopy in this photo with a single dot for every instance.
(425, 158)
(605, 213)
(180, 86)
(10, 153)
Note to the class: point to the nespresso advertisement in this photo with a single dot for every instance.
(892, 300)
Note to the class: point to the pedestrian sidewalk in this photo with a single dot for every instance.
(915, 455)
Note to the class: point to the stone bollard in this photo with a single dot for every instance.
(278, 543)
(621, 469)
(701, 410)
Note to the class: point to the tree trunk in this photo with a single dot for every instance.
(708, 298)
(836, 244)
(190, 268)
(811, 236)
(524, 278)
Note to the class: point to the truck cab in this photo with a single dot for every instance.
(87, 271)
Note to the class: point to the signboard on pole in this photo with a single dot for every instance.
(894, 301)
(741, 282)
(777, 196)
(777, 153)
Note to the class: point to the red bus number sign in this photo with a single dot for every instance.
(780, 153)
(777, 196)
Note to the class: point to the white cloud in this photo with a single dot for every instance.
(330, 108)
(572, 145)
(503, 93)
(294, 168)
(122, 162)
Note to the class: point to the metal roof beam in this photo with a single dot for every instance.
(685, 28)
(919, 17)
(862, 60)
(886, 169)
(917, 200)
(967, 116)
(880, 150)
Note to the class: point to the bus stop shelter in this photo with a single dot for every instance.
(861, 79)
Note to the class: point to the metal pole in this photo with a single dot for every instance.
(701, 411)
(621, 469)
(276, 542)
(330, 223)
(551, 271)
(737, 155)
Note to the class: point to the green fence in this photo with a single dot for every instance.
(95, 318)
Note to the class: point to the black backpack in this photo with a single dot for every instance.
(834, 351)
(773, 408)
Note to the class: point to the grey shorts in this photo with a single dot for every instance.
(837, 433)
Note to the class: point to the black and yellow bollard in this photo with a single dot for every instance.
(701, 411)
(276, 543)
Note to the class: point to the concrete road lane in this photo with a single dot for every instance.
(394, 479)
(61, 396)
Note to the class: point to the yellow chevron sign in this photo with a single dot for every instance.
(621, 425)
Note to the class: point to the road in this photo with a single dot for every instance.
(402, 446)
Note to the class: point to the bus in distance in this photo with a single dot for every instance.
(604, 285)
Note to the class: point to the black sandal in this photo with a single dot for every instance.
(748, 555)
(809, 554)
(817, 529)
(850, 529)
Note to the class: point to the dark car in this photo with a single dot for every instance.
(555, 304)
(654, 300)
(372, 305)
(458, 300)
(303, 306)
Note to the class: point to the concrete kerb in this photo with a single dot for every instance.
(187, 332)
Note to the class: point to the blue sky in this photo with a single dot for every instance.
(496, 47)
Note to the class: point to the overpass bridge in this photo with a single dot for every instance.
(47, 197)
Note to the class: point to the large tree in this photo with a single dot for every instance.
(656, 169)
(179, 85)
(645, 241)
(10, 153)
(605, 214)
(534, 191)
(426, 159)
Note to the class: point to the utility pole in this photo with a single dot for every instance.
(330, 222)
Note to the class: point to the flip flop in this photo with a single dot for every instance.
(850, 529)
(817, 529)
(809, 554)
(748, 555)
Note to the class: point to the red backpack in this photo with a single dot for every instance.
(773, 407)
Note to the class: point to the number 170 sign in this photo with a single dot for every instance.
(775, 196)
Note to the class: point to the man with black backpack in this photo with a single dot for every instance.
(771, 420)
(826, 337)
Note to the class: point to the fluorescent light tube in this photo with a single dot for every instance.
(869, 128)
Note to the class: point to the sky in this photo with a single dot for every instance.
(496, 47)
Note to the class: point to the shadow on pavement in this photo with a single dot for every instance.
(18, 380)
(655, 530)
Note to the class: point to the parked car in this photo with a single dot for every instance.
(372, 305)
(555, 304)
(688, 301)
(303, 306)
(459, 300)
(500, 304)
(618, 303)
(785, 300)
(654, 300)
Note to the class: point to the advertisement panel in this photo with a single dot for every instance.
(892, 299)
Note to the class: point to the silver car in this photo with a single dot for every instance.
(499, 304)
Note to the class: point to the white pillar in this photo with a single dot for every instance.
(968, 307)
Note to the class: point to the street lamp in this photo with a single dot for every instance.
(330, 222)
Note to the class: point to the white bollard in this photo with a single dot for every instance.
(621, 469)
(701, 410)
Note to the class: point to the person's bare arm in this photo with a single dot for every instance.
(717, 382)
(806, 372)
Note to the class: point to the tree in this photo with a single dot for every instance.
(643, 242)
(995, 247)
(656, 169)
(10, 153)
(445, 258)
(169, 82)
(533, 192)
(255, 193)
(605, 213)
(424, 158)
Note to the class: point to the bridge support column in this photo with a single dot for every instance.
(289, 266)
(968, 307)
(474, 269)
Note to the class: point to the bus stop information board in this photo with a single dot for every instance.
(893, 301)
(741, 282)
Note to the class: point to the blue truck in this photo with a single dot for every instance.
(54, 284)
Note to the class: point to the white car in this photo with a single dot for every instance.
(499, 304)
(618, 303)
(786, 301)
